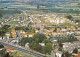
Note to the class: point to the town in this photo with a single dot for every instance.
(29, 34)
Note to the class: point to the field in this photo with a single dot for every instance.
(20, 54)
(67, 24)
(13, 22)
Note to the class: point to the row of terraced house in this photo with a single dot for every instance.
(55, 32)
(14, 34)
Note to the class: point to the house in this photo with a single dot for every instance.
(52, 29)
(7, 36)
(57, 20)
(10, 48)
(78, 28)
(42, 44)
(77, 32)
(60, 33)
(53, 40)
(23, 34)
(13, 31)
(44, 30)
(47, 33)
(70, 46)
(77, 55)
(73, 28)
(14, 35)
(14, 41)
(58, 29)
(78, 49)
(72, 32)
(42, 25)
(64, 30)
(36, 30)
(68, 28)
(31, 34)
(21, 30)
(54, 34)
(27, 46)
(59, 54)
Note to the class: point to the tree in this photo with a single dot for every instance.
(1, 46)
(2, 52)
(33, 45)
(69, 17)
(18, 28)
(63, 55)
(22, 42)
(6, 27)
(46, 41)
(60, 49)
(67, 54)
(32, 30)
(48, 48)
(7, 55)
(30, 24)
(78, 20)
(38, 47)
(2, 32)
(25, 40)
(39, 36)
(1, 15)
(75, 50)
(60, 44)
(38, 28)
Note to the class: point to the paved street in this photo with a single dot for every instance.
(78, 37)
(23, 50)
(19, 36)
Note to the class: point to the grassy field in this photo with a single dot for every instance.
(35, 12)
(13, 22)
(67, 24)
(20, 54)
(53, 24)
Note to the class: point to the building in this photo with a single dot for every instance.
(36, 30)
(21, 30)
(70, 46)
(52, 29)
(31, 34)
(14, 35)
(7, 36)
(27, 46)
(42, 44)
(23, 34)
(57, 20)
(59, 54)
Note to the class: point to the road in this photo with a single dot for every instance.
(23, 50)
(78, 37)
(19, 36)
(52, 54)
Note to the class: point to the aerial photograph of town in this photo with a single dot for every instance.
(39, 28)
